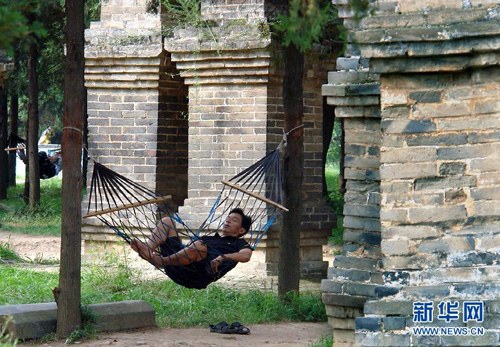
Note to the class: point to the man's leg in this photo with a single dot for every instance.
(164, 229)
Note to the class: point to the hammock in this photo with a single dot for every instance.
(132, 211)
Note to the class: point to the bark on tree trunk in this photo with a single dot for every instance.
(33, 125)
(14, 128)
(289, 264)
(4, 167)
(68, 295)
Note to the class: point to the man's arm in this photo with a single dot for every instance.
(242, 256)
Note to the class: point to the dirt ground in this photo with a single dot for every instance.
(283, 334)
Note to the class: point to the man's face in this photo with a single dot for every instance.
(232, 226)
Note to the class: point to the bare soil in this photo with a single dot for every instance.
(282, 334)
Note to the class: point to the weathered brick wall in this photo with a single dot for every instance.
(439, 216)
(223, 12)
(181, 114)
(236, 115)
(441, 170)
(136, 104)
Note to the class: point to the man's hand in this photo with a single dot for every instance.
(215, 263)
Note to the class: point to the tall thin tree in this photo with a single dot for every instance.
(68, 295)
(293, 104)
(4, 173)
(14, 129)
(33, 126)
(300, 25)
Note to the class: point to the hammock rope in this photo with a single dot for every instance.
(135, 212)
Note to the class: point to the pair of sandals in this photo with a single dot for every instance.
(225, 328)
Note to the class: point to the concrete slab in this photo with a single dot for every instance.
(32, 321)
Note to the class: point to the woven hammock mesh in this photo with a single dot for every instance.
(133, 211)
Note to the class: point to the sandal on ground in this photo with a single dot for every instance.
(238, 328)
(221, 328)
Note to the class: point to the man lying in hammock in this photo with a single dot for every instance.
(203, 261)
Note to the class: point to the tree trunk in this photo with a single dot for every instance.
(33, 124)
(289, 264)
(14, 128)
(68, 295)
(4, 167)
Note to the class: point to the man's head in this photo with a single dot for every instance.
(237, 223)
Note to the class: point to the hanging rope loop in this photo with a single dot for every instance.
(284, 141)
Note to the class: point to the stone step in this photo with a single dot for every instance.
(31, 321)
(358, 263)
(353, 275)
(344, 300)
(347, 77)
(357, 289)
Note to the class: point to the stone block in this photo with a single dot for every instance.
(429, 292)
(389, 308)
(408, 155)
(395, 247)
(468, 151)
(382, 339)
(445, 182)
(447, 245)
(367, 264)
(394, 215)
(396, 112)
(370, 211)
(347, 63)
(452, 168)
(426, 96)
(369, 323)
(396, 277)
(343, 324)
(436, 214)
(408, 126)
(394, 323)
(410, 232)
(349, 275)
(343, 336)
(452, 139)
(343, 300)
(331, 286)
(37, 320)
(367, 224)
(361, 237)
(407, 170)
(343, 311)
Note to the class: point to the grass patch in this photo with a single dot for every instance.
(7, 253)
(16, 217)
(336, 200)
(175, 306)
(324, 342)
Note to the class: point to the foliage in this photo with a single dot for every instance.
(324, 342)
(304, 23)
(7, 253)
(336, 201)
(5, 339)
(16, 217)
(88, 329)
(15, 25)
(175, 306)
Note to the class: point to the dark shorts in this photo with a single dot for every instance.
(197, 275)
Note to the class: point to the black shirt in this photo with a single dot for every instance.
(199, 274)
